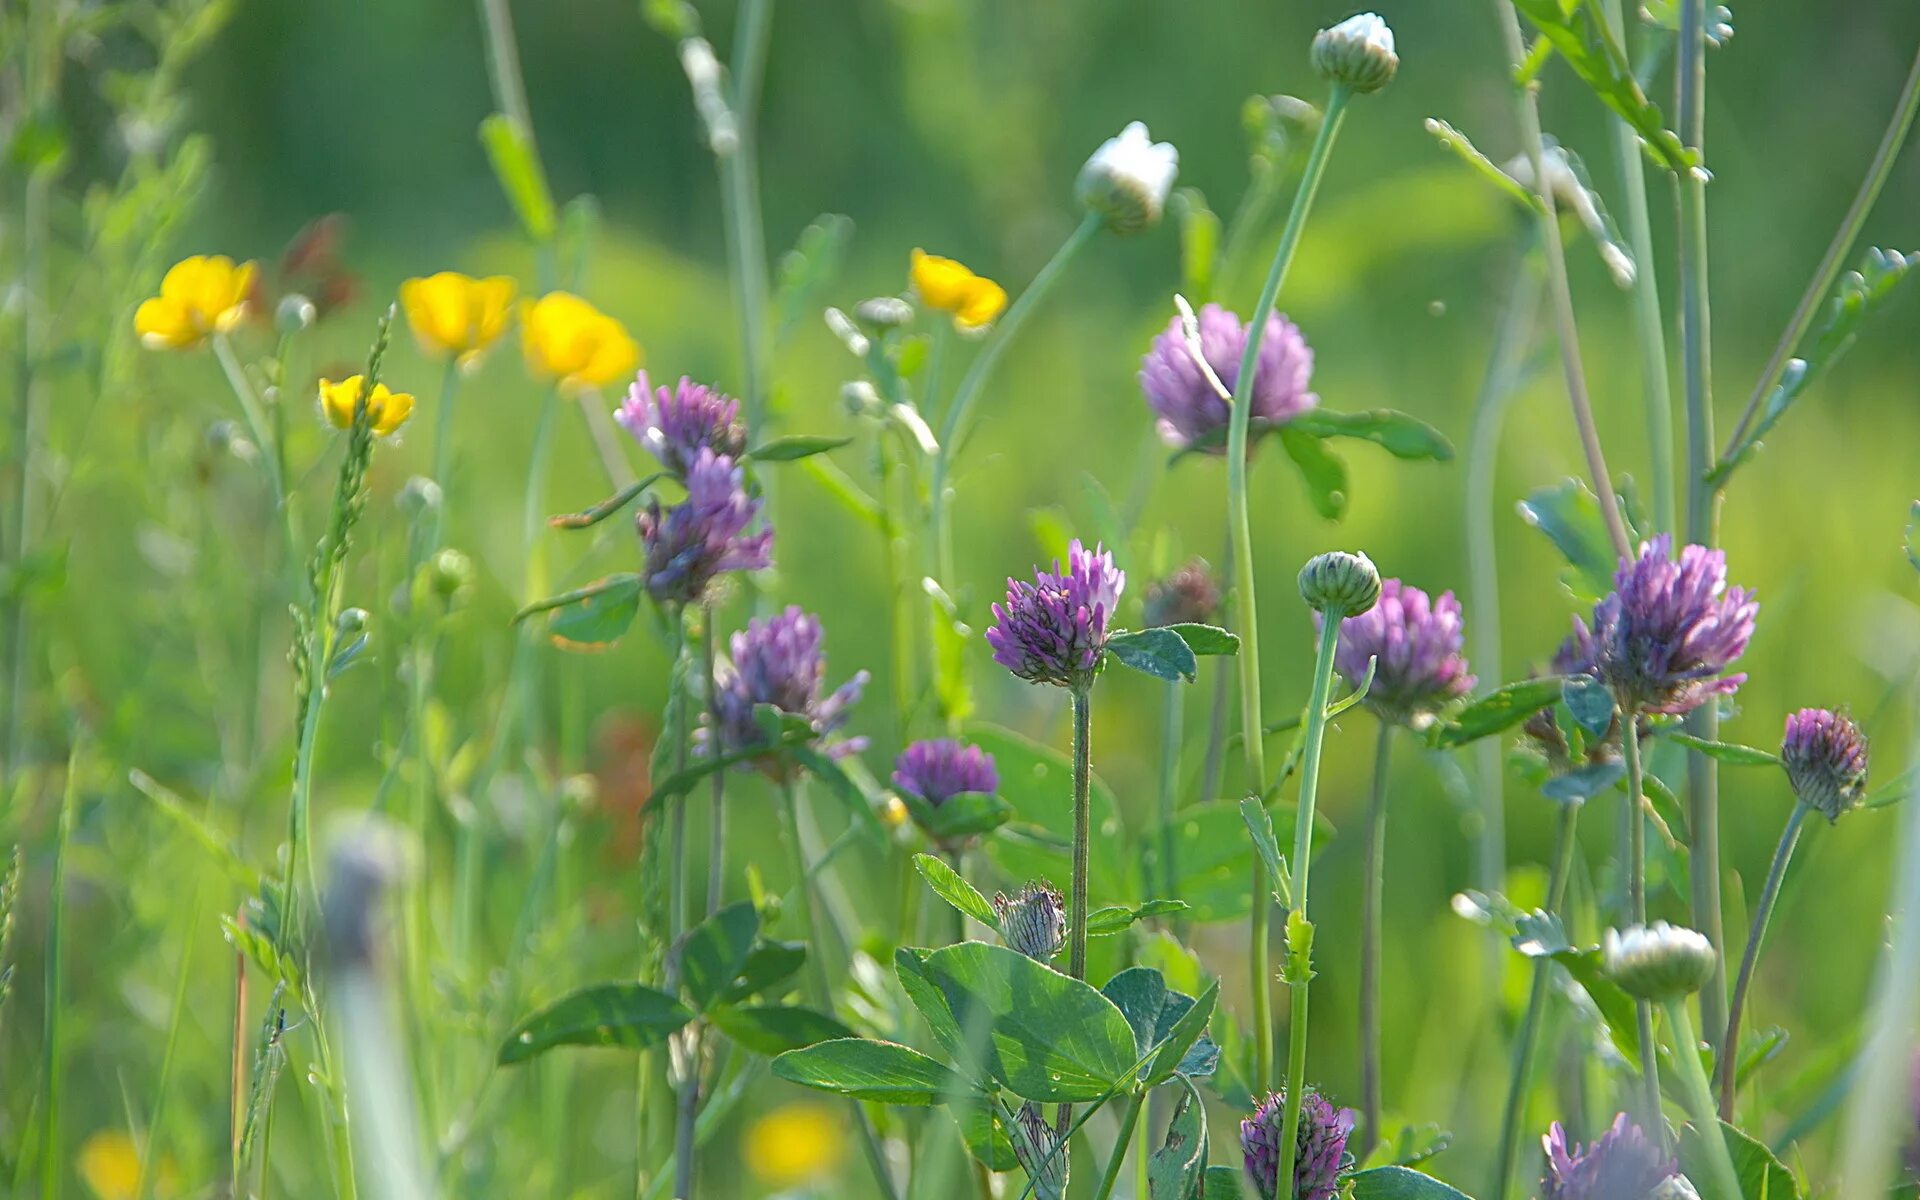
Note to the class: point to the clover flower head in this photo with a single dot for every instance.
(1190, 412)
(1033, 920)
(1054, 630)
(1321, 1147)
(457, 316)
(199, 297)
(1665, 636)
(1416, 643)
(675, 424)
(567, 339)
(1620, 1164)
(946, 285)
(386, 410)
(688, 545)
(1826, 758)
(1189, 596)
(781, 661)
(1128, 179)
(938, 769)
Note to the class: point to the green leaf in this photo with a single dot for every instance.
(966, 815)
(984, 1133)
(952, 642)
(774, 1029)
(1222, 1183)
(1139, 993)
(1730, 753)
(714, 952)
(1761, 1174)
(917, 981)
(1497, 711)
(1590, 703)
(1161, 653)
(588, 517)
(795, 445)
(1579, 32)
(1050, 1037)
(1321, 468)
(1259, 823)
(629, 1015)
(883, 1072)
(1485, 167)
(517, 166)
(1110, 919)
(1037, 844)
(1213, 856)
(1397, 433)
(592, 616)
(768, 965)
(1615, 1006)
(1199, 243)
(1584, 783)
(1177, 1170)
(949, 886)
(1180, 1037)
(1401, 1183)
(1569, 514)
(1206, 640)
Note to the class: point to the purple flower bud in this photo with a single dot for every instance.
(1826, 757)
(1662, 639)
(1054, 630)
(703, 535)
(674, 424)
(1188, 596)
(1033, 921)
(779, 660)
(1038, 1148)
(1621, 1164)
(1321, 1147)
(939, 769)
(1417, 642)
(1189, 407)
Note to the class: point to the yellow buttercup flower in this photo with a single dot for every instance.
(974, 301)
(199, 297)
(793, 1144)
(458, 315)
(386, 410)
(109, 1164)
(568, 339)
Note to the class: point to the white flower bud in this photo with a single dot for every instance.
(1659, 962)
(1128, 179)
(1357, 53)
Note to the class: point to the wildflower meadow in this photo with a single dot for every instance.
(922, 599)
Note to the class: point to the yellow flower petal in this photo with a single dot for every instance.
(386, 410)
(455, 314)
(199, 295)
(793, 1144)
(165, 324)
(942, 283)
(568, 339)
(109, 1163)
(984, 302)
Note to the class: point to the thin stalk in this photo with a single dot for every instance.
(1729, 1060)
(687, 1091)
(510, 97)
(1697, 1097)
(51, 1160)
(1637, 909)
(1240, 527)
(176, 1021)
(1811, 300)
(1524, 1049)
(740, 195)
(1171, 713)
(443, 445)
(1527, 102)
(1082, 829)
(1129, 1117)
(1372, 893)
(1004, 332)
(1696, 355)
(1218, 706)
(717, 819)
(1299, 965)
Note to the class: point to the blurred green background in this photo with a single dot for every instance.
(955, 126)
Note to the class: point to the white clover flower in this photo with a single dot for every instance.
(1357, 53)
(1659, 962)
(1128, 179)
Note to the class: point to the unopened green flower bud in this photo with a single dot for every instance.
(1340, 584)
(1357, 54)
(1128, 179)
(883, 312)
(1034, 921)
(419, 496)
(450, 573)
(294, 314)
(349, 622)
(860, 398)
(1659, 962)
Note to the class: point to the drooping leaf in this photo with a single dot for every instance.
(1578, 31)
(794, 446)
(1584, 783)
(628, 1015)
(1397, 433)
(1615, 1006)
(1569, 514)
(1161, 653)
(949, 886)
(1401, 1183)
(773, 1029)
(1485, 167)
(1730, 753)
(865, 1069)
(715, 951)
(1761, 1174)
(1320, 468)
(1259, 823)
(588, 517)
(1590, 703)
(593, 616)
(1111, 919)
(1178, 1168)
(517, 166)
(768, 965)
(1497, 711)
(1207, 640)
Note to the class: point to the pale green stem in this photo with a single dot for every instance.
(1637, 910)
(717, 820)
(1171, 712)
(52, 1161)
(443, 446)
(1698, 1099)
(687, 1093)
(1240, 527)
(1082, 827)
(740, 194)
(1299, 973)
(1129, 1117)
(1729, 1061)
(1374, 859)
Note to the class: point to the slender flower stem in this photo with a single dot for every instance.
(1637, 908)
(1240, 527)
(1696, 354)
(1697, 1096)
(1524, 1049)
(1129, 1117)
(717, 820)
(52, 1161)
(443, 445)
(1372, 892)
(687, 1090)
(1729, 1060)
(1898, 126)
(1082, 828)
(1299, 965)
(952, 425)
(1218, 715)
(1171, 713)
(1560, 290)
(740, 196)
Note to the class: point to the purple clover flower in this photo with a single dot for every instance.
(1826, 758)
(1417, 642)
(938, 769)
(675, 424)
(1621, 1164)
(1190, 411)
(1189, 596)
(1321, 1152)
(779, 660)
(687, 545)
(1054, 630)
(1663, 637)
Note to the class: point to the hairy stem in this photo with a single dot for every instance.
(1082, 828)
(1728, 1062)
(1374, 860)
